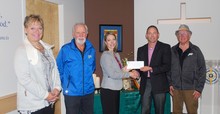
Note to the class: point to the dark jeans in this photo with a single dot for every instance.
(146, 99)
(110, 100)
(79, 104)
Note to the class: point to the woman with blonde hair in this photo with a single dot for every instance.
(38, 85)
(113, 72)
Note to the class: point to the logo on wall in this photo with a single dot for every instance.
(4, 25)
(211, 76)
(3, 22)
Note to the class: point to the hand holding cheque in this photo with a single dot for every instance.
(138, 65)
(135, 65)
(134, 74)
(146, 68)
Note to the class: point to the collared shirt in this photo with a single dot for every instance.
(150, 53)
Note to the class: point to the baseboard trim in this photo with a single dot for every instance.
(8, 103)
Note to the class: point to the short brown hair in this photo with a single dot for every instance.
(152, 26)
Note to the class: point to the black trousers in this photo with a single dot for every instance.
(110, 100)
(79, 104)
(46, 110)
(146, 99)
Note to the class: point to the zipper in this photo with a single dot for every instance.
(83, 71)
(181, 82)
(181, 79)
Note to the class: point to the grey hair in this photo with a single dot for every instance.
(80, 24)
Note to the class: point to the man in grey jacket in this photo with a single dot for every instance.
(188, 73)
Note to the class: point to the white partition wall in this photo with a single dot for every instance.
(210, 98)
(11, 35)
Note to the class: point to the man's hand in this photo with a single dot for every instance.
(171, 90)
(146, 68)
(196, 95)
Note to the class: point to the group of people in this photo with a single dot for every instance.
(179, 70)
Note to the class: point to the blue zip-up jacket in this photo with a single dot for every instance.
(76, 68)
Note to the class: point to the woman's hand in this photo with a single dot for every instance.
(125, 69)
(53, 96)
(56, 92)
(134, 74)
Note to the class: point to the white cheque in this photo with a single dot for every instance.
(135, 64)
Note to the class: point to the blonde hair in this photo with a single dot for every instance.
(32, 19)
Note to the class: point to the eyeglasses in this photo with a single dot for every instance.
(184, 33)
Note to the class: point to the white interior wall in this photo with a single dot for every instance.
(205, 35)
(11, 34)
(72, 12)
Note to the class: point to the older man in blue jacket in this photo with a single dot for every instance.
(76, 64)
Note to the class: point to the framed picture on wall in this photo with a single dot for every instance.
(116, 29)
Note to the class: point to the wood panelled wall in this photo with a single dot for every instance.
(8, 103)
(49, 12)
